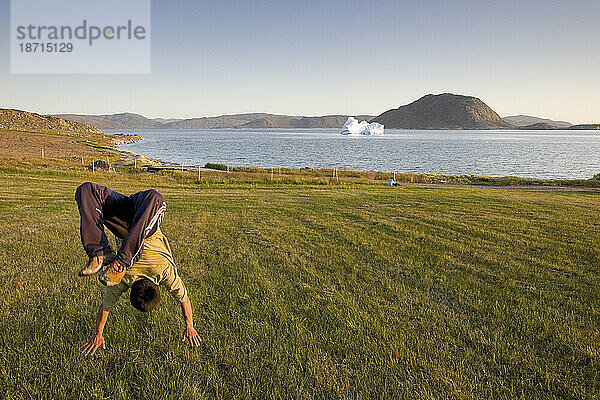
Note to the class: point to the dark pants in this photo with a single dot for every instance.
(131, 218)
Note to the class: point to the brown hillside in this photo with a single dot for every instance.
(17, 120)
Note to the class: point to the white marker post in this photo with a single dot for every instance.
(42, 153)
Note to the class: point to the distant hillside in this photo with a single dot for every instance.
(540, 126)
(283, 122)
(593, 127)
(443, 111)
(528, 120)
(94, 120)
(130, 119)
(114, 121)
(220, 122)
(17, 120)
(234, 121)
(166, 120)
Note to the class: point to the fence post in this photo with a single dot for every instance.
(42, 153)
(199, 175)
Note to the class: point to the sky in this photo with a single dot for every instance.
(309, 57)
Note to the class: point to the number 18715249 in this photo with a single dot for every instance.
(36, 47)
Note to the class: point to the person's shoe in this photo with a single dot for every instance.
(96, 263)
(113, 274)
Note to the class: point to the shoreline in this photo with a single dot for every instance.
(569, 172)
(66, 150)
(466, 181)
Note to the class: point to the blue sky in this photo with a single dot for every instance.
(349, 57)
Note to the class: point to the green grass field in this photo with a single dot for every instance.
(311, 291)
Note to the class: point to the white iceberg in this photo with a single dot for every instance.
(374, 128)
(353, 127)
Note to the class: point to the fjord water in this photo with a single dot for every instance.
(542, 154)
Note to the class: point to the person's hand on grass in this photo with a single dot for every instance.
(192, 336)
(93, 343)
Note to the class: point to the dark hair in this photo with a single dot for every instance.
(145, 295)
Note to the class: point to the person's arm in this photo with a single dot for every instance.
(173, 283)
(96, 340)
(189, 333)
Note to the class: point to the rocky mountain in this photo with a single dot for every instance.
(528, 120)
(443, 111)
(17, 120)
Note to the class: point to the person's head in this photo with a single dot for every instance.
(145, 295)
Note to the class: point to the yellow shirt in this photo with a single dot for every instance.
(156, 264)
